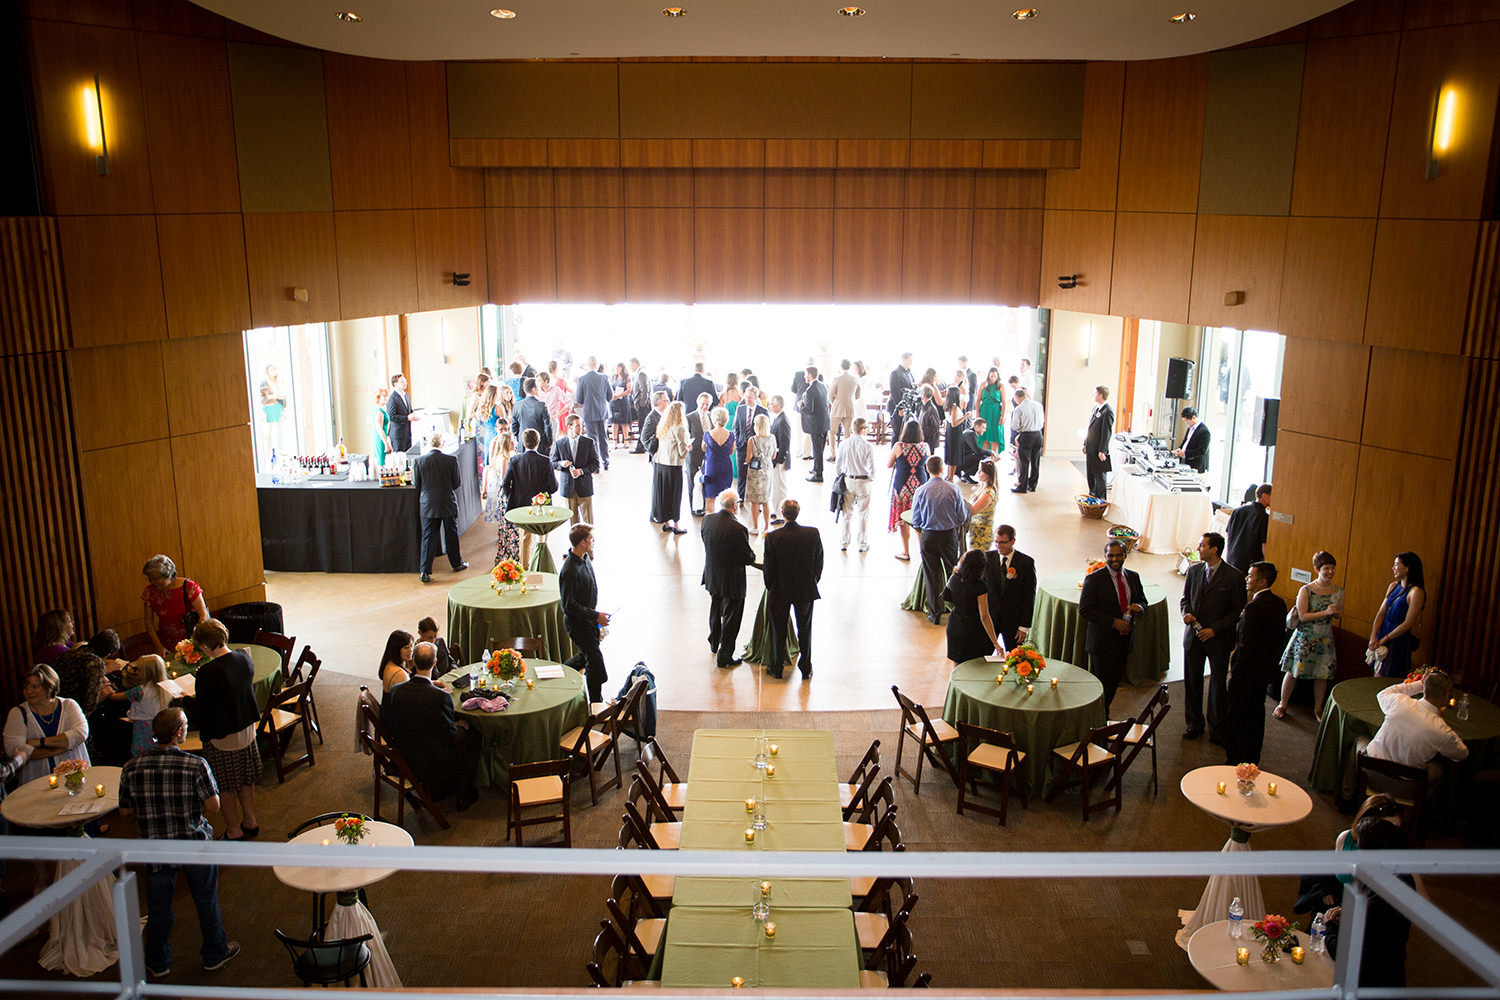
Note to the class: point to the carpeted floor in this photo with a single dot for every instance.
(1009, 933)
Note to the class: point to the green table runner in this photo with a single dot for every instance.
(479, 616)
(796, 893)
(706, 947)
(1058, 629)
(540, 521)
(802, 800)
(530, 729)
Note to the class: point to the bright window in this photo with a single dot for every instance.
(290, 391)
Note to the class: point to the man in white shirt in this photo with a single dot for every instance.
(856, 463)
(1414, 732)
(1027, 420)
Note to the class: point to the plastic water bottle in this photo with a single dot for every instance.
(1236, 919)
(1318, 935)
(1463, 708)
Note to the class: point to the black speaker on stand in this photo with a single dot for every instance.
(1267, 416)
(1179, 387)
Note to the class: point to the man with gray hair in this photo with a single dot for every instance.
(726, 553)
(435, 476)
(443, 753)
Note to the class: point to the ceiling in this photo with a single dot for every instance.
(938, 29)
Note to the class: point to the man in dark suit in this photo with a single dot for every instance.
(781, 430)
(793, 567)
(744, 430)
(528, 474)
(930, 416)
(582, 619)
(1260, 637)
(901, 380)
(1212, 598)
(694, 385)
(640, 402)
(1247, 529)
(575, 460)
(799, 386)
(816, 419)
(726, 553)
(1010, 580)
(532, 413)
(444, 755)
(1110, 600)
(1194, 449)
(1096, 442)
(592, 394)
(653, 420)
(435, 476)
(971, 452)
(699, 423)
(398, 408)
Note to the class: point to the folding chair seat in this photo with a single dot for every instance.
(1102, 750)
(534, 786)
(992, 751)
(852, 793)
(931, 738)
(595, 742)
(1142, 734)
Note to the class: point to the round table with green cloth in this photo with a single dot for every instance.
(1045, 718)
(479, 616)
(1353, 711)
(1057, 628)
(531, 728)
(758, 646)
(916, 600)
(540, 521)
(267, 670)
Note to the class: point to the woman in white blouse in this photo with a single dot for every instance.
(45, 720)
(672, 448)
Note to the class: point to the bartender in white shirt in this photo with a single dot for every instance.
(856, 463)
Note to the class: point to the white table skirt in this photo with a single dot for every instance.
(81, 939)
(1167, 522)
(1218, 894)
(351, 922)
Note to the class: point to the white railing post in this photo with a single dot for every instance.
(128, 933)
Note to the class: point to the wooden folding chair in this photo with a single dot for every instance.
(652, 829)
(989, 750)
(594, 743)
(865, 833)
(640, 923)
(863, 889)
(898, 963)
(532, 786)
(877, 932)
(283, 644)
(390, 767)
(1101, 750)
(663, 805)
(285, 712)
(1142, 735)
(529, 645)
(930, 737)
(628, 721)
(853, 794)
(310, 662)
(610, 952)
(673, 788)
(1407, 785)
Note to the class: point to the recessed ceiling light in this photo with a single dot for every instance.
(502, 13)
(1184, 17)
(852, 11)
(1024, 14)
(348, 15)
(674, 12)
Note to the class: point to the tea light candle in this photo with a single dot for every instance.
(1054, 682)
(1242, 956)
(1029, 689)
(326, 842)
(1298, 955)
(999, 678)
(737, 982)
(1221, 788)
(51, 781)
(530, 683)
(765, 888)
(749, 836)
(99, 791)
(1271, 788)
(750, 805)
(770, 770)
(174, 675)
(770, 928)
(774, 749)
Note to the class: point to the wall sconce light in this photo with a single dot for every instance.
(1067, 281)
(1234, 298)
(461, 278)
(1088, 346)
(297, 294)
(1440, 133)
(93, 125)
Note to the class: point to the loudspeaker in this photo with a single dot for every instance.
(1180, 378)
(1266, 417)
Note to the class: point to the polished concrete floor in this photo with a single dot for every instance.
(863, 641)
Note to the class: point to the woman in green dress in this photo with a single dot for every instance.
(992, 409)
(382, 422)
(730, 400)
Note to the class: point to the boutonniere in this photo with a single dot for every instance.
(1010, 572)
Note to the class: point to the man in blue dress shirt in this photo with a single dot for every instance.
(938, 512)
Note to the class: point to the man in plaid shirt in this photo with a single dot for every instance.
(168, 791)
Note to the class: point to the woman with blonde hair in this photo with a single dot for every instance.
(759, 454)
(508, 540)
(718, 457)
(486, 417)
(672, 447)
(146, 699)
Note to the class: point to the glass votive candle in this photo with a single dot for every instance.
(530, 683)
(1298, 955)
(326, 842)
(1242, 956)
(750, 804)
(1221, 788)
(738, 982)
(1270, 788)
(51, 781)
(765, 888)
(1054, 682)
(770, 928)
(1029, 689)
(999, 677)
(174, 675)
(99, 791)
(749, 836)
(774, 749)
(770, 770)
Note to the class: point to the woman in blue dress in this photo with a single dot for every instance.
(1398, 616)
(718, 458)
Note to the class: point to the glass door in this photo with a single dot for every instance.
(1241, 370)
(291, 391)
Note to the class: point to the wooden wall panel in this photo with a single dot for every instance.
(64, 58)
(497, 152)
(1007, 256)
(1237, 253)
(874, 153)
(588, 188)
(1397, 378)
(583, 152)
(799, 254)
(106, 417)
(522, 186)
(1031, 154)
(434, 182)
(522, 253)
(33, 299)
(1323, 388)
(656, 153)
(1092, 185)
(369, 137)
(286, 251)
(1153, 265)
(659, 254)
(798, 188)
(449, 240)
(657, 187)
(377, 260)
(1390, 487)
(936, 154)
(1419, 284)
(869, 189)
(936, 254)
(113, 275)
(1011, 188)
(217, 367)
(728, 255)
(729, 153)
(203, 273)
(109, 13)
(178, 17)
(940, 189)
(1080, 243)
(867, 255)
(123, 532)
(220, 528)
(1482, 337)
(280, 128)
(1430, 13)
(1341, 128)
(1325, 278)
(189, 123)
(1161, 134)
(802, 153)
(590, 254)
(1319, 506)
(716, 187)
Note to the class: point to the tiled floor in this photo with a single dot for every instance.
(863, 641)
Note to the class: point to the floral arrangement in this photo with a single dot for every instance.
(187, 652)
(505, 664)
(541, 500)
(71, 771)
(1274, 931)
(1092, 566)
(350, 829)
(1419, 674)
(1026, 662)
(1247, 772)
(507, 572)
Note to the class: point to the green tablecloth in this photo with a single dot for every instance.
(758, 646)
(531, 728)
(800, 893)
(706, 947)
(1058, 629)
(1353, 711)
(479, 616)
(802, 800)
(1047, 717)
(267, 670)
(540, 524)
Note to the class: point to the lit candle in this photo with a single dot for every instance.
(99, 791)
(1029, 689)
(51, 781)
(1221, 788)
(1271, 788)
(1298, 954)
(737, 982)
(774, 749)
(770, 928)
(174, 675)
(1452, 702)
(999, 678)
(530, 683)
(770, 770)
(765, 888)
(1242, 956)
(1054, 682)
(326, 842)
(749, 836)
(750, 804)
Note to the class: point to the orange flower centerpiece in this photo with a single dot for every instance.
(1274, 932)
(506, 665)
(187, 655)
(1245, 776)
(506, 574)
(1092, 566)
(1026, 662)
(71, 771)
(539, 501)
(350, 829)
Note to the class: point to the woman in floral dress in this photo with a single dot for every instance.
(1310, 653)
(982, 512)
(508, 541)
(909, 459)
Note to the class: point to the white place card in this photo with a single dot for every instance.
(549, 672)
(83, 807)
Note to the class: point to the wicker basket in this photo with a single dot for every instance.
(1129, 541)
(1092, 511)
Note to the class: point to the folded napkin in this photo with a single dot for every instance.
(495, 704)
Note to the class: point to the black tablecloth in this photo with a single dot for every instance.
(342, 527)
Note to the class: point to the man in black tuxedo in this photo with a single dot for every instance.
(582, 618)
(1010, 580)
(781, 430)
(1212, 598)
(653, 420)
(699, 423)
(592, 393)
(532, 413)
(817, 420)
(1194, 449)
(726, 553)
(930, 416)
(901, 380)
(971, 452)
(1110, 600)
(575, 460)
(444, 754)
(640, 402)
(1096, 442)
(435, 476)
(528, 474)
(793, 567)
(694, 385)
(744, 430)
(398, 408)
(1260, 637)
(1247, 529)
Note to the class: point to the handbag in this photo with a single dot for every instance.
(1293, 620)
(754, 463)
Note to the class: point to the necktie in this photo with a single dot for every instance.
(1004, 571)
(1209, 576)
(1124, 594)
